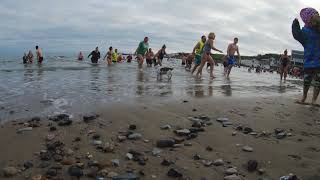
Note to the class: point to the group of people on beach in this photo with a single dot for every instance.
(28, 57)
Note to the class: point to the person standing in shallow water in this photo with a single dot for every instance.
(39, 54)
(30, 57)
(232, 49)
(95, 55)
(80, 56)
(309, 38)
(160, 55)
(25, 58)
(206, 54)
(142, 50)
(149, 57)
(285, 62)
(108, 56)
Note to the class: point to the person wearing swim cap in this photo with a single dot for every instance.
(232, 49)
(197, 51)
(142, 50)
(309, 38)
(95, 55)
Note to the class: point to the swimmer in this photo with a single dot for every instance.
(115, 56)
(129, 58)
(80, 56)
(39, 54)
(108, 56)
(149, 57)
(160, 55)
(285, 62)
(232, 49)
(197, 51)
(142, 50)
(95, 55)
(206, 54)
(30, 57)
(25, 58)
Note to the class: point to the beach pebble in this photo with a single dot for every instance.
(261, 171)
(129, 156)
(126, 176)
(108, 147)
(231, 171)
(50, 137)
(165, 127)
(281, 135)
(247, 130)
(166, 162)
(28, 164)
(103, 173)
(122, 138)
(97, 142)
(232, 177)
(174, 173)
(207, 163)
(132, 127)
(165, 143)
(156, 151)
(247, 148)
(182, 132)
(75, 171)
(252, 165)
(115, 162)
(135, 136)
(9, 171)
(89, 118)
(24, 129)
(188, 144)
(226, 123)
(234, 133)
(222, 119)
(51, 172)
(112, 174)
(218, 162)
(209, 148)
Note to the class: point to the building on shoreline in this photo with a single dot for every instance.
(297, 58)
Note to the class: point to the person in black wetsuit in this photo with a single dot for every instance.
(25, 58)
(285, 61)
(160, 55)
(95, 55)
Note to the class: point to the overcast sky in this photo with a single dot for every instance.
(74, 25)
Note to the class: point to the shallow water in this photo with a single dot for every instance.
(66, 85)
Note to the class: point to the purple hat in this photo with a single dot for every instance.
(306, 15)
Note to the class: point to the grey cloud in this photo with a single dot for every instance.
(262, 26)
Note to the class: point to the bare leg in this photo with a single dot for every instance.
(281, 73)
(316, 91)
(194, 68)
(285, 71)
(203, 62)
(211, 62)
(229, 70)
(305, 93)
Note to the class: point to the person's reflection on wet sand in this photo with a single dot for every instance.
(39, 73)
(28, 73)
(94, 74)
(282, 88)
(210, 88)
(226, 90)
(140, 76)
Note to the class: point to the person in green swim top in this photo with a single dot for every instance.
(142, 50)
(197, 51)
(115, 56)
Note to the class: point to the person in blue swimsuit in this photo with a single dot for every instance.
(231, 59)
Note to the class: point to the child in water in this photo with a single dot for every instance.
(309, 37)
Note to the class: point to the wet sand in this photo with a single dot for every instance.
(298, 153)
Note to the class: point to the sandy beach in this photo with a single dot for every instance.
(295, 151)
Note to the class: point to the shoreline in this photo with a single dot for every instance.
(297, 152)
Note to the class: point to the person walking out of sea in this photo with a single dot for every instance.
(142, 50)
(285, 62)
(197, 51)
(80, 56)
(30, 57)
(95, 55)
(149, 57)
(232, 49)
(39, 54)
(206, 54)
(108, 56)
(160, 55)
(25, 58)
(309, 37)
(115, 56)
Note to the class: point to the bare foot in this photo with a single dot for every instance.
(301, 102)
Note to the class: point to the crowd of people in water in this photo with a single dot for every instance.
(308, 36)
